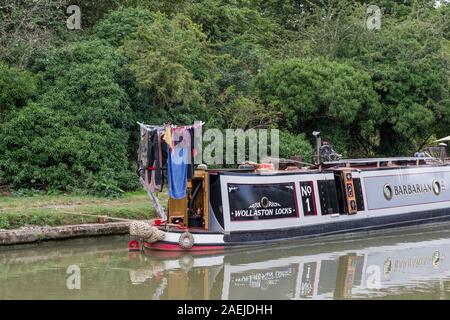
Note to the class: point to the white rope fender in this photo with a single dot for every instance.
(146, 231)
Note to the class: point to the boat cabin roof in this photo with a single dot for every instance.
(393, 160)
(367, 163)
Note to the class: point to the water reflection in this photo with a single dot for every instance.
(414, 265)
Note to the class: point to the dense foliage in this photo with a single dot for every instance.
(74, 136)
(16, 87)
(69, 99)
(332, 96)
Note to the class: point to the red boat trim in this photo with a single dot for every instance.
(177, 254)
(178, 230)
(165, 246)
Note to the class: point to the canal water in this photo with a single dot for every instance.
(414, 265)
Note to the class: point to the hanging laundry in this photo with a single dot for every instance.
(177, 136)
(168, 137)
(192, 153)
(183, 139)
(177, 172)
(170, 146)
(143, 148)
(155, 161)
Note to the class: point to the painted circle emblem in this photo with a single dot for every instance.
(264, 202)
(436, 187)
(387, 191)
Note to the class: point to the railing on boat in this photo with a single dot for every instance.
(382, 162)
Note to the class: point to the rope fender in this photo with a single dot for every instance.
(186, 240)
(146, 231)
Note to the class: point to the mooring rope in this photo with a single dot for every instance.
(138, 228)
(146, 231)
(96, 216)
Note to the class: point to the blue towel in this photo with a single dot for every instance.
(177, 164)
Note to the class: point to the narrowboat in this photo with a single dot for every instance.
(256, 204)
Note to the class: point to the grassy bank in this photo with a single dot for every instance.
(57, 210)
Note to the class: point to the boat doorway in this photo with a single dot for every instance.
(345, 189)
(192, 210)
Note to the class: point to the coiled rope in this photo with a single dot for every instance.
(146, 231)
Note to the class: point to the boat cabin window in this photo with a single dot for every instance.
(328, 197)
(359, 194)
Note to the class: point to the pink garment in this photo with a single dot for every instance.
(186, 141)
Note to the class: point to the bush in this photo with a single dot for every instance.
(16, 87)
(295, 145)
(120, 24)
(78, 127)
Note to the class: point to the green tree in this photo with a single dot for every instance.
(29, 28)
(223, 20)
(247, 113)
(120, 24)
(239, 31)
(409, 70)
(16, 87)
(92, 10)
(292, 144)
(173, 65)
(322, 95)
(168, 7)
(405, 60)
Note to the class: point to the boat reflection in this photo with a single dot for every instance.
(414, 266)
(386, 266)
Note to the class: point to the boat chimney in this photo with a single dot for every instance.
(316, 134)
